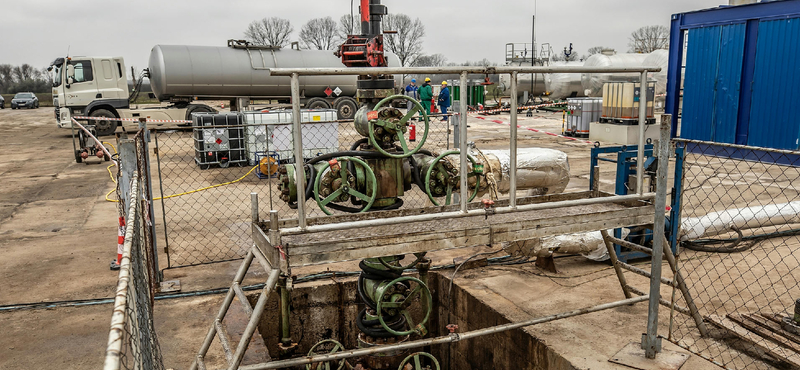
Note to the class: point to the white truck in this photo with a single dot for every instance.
(182, 76)
(98, 87)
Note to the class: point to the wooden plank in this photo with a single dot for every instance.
(497, 229)
(415, 245)
(743, 320)
(771, 348)
(261, 242)
(773, 322)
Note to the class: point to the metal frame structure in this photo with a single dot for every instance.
(623, 155)
(284, 244)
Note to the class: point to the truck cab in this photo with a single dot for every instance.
(89, 86)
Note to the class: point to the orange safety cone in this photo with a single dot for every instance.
(412, 132)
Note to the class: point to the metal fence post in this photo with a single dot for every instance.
(127, 163)
(642, 123)
(463, 142)
(149, 183)
(651, 343)
(456, 126)
(512, 191)
(297, 138)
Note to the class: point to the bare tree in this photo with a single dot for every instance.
(648, 39)
(407, 42)
(319, 34)
(348, 25)
(272, 31)
(434, 60)
(6, 77)
(25, 72)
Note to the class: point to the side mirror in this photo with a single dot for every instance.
(70, 74)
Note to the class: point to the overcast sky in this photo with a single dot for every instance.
(38, 31)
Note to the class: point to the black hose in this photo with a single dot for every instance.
(358, 143)
(378, 274)
(379, 331)
(362, 294)
(701, 245)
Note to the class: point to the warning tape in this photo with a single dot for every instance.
(132, 119)
(538, 131)
(518, 108)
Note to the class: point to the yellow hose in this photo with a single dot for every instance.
(173, 195)
(209, 187)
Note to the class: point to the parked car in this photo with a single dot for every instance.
(2, 102)
(25, 100)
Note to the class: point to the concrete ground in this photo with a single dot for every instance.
(58, 235)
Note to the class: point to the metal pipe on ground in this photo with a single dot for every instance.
(455, 337)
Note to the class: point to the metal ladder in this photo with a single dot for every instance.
(677, 282)
(218, 328)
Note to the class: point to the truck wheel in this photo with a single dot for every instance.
(196, 108)
(346, 107)
(317, 103)
(104, 127)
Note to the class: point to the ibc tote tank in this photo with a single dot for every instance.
(211, 71)
(593, 82)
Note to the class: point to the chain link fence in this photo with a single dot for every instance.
(740, 233)
(206, 174)
(132, 342)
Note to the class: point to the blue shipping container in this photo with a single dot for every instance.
(742, 74)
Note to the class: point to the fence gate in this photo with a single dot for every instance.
(740, 233)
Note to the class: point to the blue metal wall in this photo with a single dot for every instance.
(742, 74)
(774, 115)
(712, 83)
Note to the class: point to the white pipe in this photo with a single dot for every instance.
(722, 222)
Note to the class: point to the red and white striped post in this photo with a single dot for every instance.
(120, 244)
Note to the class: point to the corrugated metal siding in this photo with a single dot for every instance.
(701, 68)
(774, 119)
(726, 89)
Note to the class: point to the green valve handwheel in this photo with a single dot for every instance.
(346, 185)
(417, 363)
(477, 171)
(398, 127)
(393, 304)
(319, 349)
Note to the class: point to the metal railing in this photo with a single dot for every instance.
(650, 342)
(295, 74)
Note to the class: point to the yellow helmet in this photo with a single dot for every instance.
(427, 79)
(444, 82)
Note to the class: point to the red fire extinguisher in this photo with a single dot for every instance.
(412, 132)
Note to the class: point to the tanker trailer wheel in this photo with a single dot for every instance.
(104, 127)
(317, 103)
(196, 108)
(346, 107)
